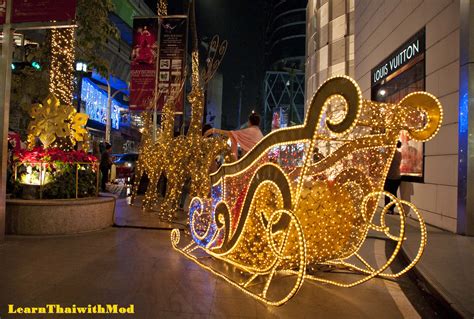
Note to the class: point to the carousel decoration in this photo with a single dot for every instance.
(265, 222)
(186, 157)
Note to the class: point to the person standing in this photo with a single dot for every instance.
(246, 138)
(393, 177)
(105, 165)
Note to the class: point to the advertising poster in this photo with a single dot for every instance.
(172, 60)
(412, 156)
(39, 10)
(143, 63)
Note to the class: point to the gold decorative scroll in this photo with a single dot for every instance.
(266, 218)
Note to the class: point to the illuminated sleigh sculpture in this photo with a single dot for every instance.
(267, 220)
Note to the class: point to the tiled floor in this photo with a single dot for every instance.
(139, 266)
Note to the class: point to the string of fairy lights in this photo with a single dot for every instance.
(61, 72)
(268, 218)
(162, 7)
(267, 215)
(182, 159)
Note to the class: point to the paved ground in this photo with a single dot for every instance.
(446, 266)
(133, 216)
(138, 266)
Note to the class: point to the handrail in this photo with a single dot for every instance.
(41, 179)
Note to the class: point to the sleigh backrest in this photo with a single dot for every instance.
(338, 195)
(356, 137)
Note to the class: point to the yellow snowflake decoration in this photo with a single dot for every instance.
(52, 121)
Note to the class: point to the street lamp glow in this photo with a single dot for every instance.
(382, 92)
(81, 67)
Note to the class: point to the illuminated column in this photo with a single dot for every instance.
(197, 94)
(466, 122)
(61, 73)
(162, 7)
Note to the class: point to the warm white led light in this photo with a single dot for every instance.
(267, 217)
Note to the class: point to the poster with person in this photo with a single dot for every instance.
(158, 61)
(143, 63)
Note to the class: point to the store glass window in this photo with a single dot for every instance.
(410, 78)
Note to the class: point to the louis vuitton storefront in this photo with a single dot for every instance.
(423, 45)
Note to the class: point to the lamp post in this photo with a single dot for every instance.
(110, 97)
(291, 79)
(81, 68)
(5, 85)
(240, 87)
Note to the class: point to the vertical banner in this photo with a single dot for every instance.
(143, 64)
(172, 60)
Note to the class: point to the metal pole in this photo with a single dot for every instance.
(265, 106)
(78, 90)
(96, 165)
(110, 98)
(41, 180)
(108, 113)
(77, 180)
(155, 96)
(292, 77)
(5, 85)
(241, 86)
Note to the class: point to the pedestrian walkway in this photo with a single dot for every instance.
(133, 216)
(446, 266)
(130, 266)
(127, 215)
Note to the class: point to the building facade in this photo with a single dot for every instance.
(125, 136)
(400, 47)
(285, 61)
(329, 41)
(286, 35)
(424, 37)
(214, 89)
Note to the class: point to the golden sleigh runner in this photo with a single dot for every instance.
(269, 217)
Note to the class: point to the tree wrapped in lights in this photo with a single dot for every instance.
(87, 42)
(61, 72)
(270, 218)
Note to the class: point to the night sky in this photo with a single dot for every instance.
(242, 24)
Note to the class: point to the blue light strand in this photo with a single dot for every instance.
(96, 104)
